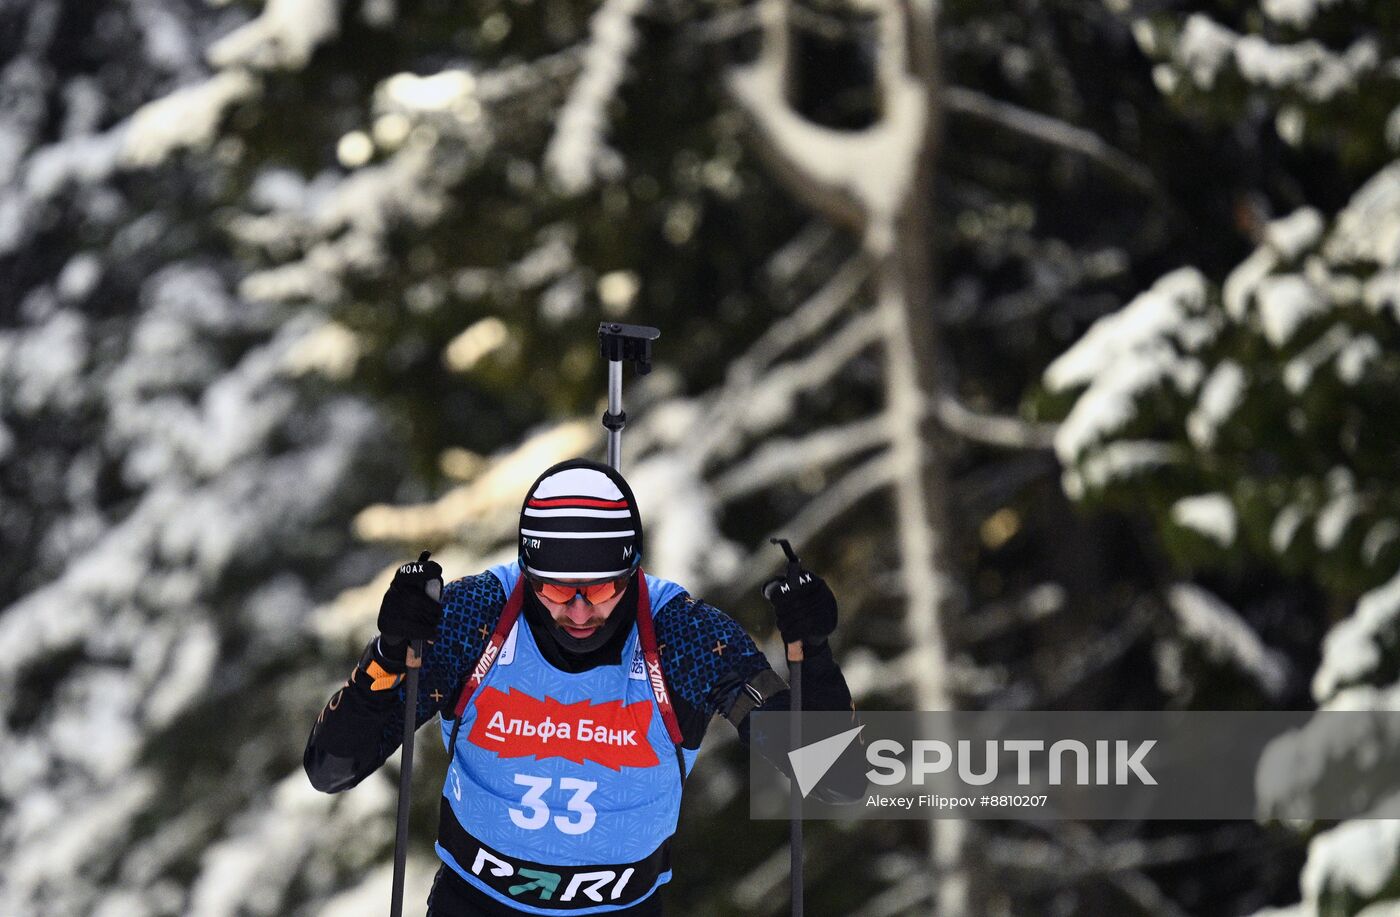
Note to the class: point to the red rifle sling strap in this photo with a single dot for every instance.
(645, 632)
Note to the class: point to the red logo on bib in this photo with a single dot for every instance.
(515, 725)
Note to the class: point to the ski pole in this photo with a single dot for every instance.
(622, 344)
(410, 716)
(414, 660)
(794, 659)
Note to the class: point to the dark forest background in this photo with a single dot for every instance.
(1061, 335)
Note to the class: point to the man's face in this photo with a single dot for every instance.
(576, 617)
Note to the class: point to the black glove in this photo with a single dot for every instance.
(411, 609)
(802, 603)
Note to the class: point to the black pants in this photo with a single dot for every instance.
(453, 897)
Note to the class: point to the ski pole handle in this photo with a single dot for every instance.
(794, 649)
(414, 657)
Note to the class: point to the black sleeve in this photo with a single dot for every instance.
(362, 724)
(707, 658)
(347, 742)
(823, 688)
(713, 667)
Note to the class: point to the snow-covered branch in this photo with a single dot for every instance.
(782, 459)
(1225, 637)
(1052, 131)
(854, 486)
(992, 430)
(770, 400)
(577, 152)
(859, 178)
(1036, 605)
(866, 674)
(283, 36)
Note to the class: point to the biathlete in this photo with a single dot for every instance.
(573, 691)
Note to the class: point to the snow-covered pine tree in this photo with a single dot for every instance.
(1250, 412)
(175, 497)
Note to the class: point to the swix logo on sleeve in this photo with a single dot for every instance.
(516, 725)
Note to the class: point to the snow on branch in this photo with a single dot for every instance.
(811, 318)
(1209, 515)
(1221, 396)
(1353, 650)
(271, 847)
(1206, 49)
(1051, 131)
(723, 416)
(1356, 858)
(187, 119)
(1368, 230)
(489, 503)
(903, 897)
(1297, 775)
(686, 542)
(1035, 605)
(791, 261)
(781, 459)
(1208, 622)
(867, 674)
(513, 80)
(352, 222)
(861, 177)
(1297, 13)
(1172, 299)
(283, 37)
(991, 430)
(762, 883)
(1144, 892)
(577, 152)
(83, 160)
(770, 399)
(1124, 355)
(865, 479)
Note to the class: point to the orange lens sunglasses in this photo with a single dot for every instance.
(593, 593)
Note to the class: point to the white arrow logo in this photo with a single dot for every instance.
(811, 762)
